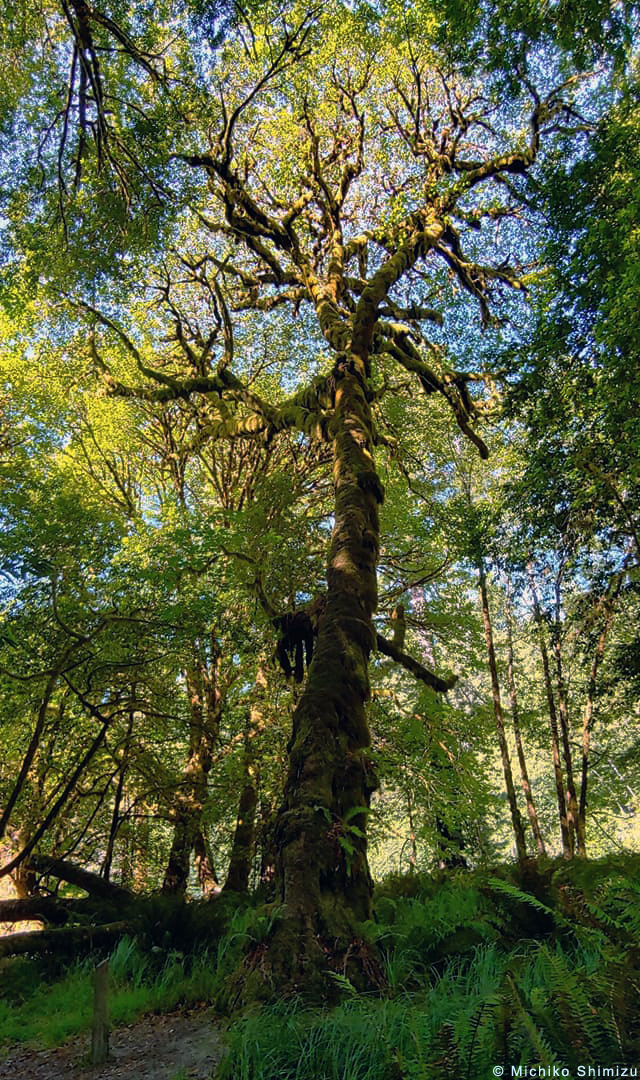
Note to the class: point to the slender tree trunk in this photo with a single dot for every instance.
(587, 721)
(413, 857)
(244, 840)
(527, 790)
(322, 874)
(516, 820)
(205, 707)
(553, 722)
(204, 865)
(24, 876)
(563, 715)
(450, 837)
(117, 802)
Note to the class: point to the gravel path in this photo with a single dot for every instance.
(179, 1045)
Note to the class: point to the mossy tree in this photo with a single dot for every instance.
(331, 166)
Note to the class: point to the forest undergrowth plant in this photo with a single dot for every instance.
(467, 989)
(415, 932)
(140, 982)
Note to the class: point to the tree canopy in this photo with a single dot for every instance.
(319, 452)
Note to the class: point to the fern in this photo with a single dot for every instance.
(537, 1038)
(521, 897)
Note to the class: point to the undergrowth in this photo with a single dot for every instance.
(505, 968)
(484, 970)
(47, 1014)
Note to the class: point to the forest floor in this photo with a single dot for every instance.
(184, 1045)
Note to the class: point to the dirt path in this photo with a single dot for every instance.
(180, 1045)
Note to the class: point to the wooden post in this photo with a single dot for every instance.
(100, 1027)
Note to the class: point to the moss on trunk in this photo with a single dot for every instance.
(322, 875)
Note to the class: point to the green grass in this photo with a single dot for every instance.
(529, 1005)
(46, 1014)
(483, 969)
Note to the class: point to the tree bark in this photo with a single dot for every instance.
(516, 820)
(563, 715)
(322, 874)
(92, 883)
(205, 702)
(38, 909)
(117, 802)
(587, 721)
(418, 670)
(206, 875)
(68, 939)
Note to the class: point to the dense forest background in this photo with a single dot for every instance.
(320, 457)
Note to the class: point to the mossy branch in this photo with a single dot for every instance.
(418, 670)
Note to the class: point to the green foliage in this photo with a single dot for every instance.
(467, 986)
(456, 1006)
(141, 980)
(441, 919)
(170, 328)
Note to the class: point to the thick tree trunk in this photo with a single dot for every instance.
(322, 874)
(527, 790)
(516, 820)
(567, 850)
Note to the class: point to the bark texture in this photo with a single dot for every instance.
(242, 856)
(553, 723)
(322, 874)
(65, 939)
(527, 790)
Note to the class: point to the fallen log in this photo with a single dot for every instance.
(76, 875)
(64, 938)
(40, 909)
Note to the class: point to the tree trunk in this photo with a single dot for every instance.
(206, 703)
(204, 864)
(117, 802)
(563, 715)
(587, 722)
(516, 820)
(244, 840)
(45, 909)
(63, 939)
(553, 723)
(322, 874)
(515, 719)
(413, 856)
(77, 875)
